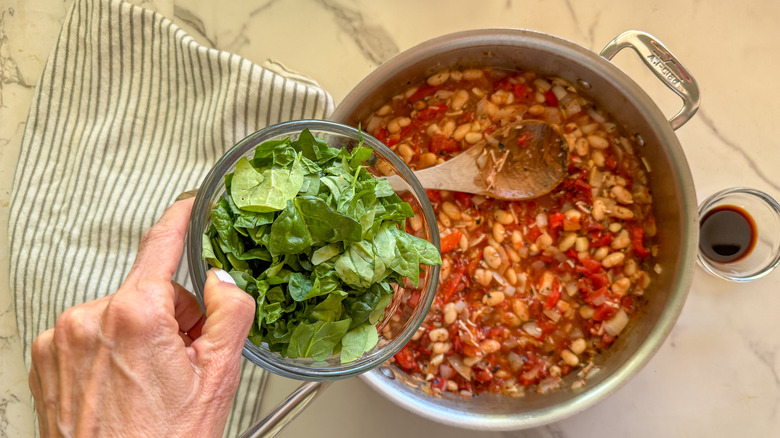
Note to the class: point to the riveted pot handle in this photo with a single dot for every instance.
(665, 66)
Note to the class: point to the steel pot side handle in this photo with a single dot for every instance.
(286, 411)
(666, 67)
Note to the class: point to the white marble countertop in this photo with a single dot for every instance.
(718, 373)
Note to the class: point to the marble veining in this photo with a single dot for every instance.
(738, 149)
(9, 70)
(375, 42)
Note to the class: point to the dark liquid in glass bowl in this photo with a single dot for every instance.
(727, 234)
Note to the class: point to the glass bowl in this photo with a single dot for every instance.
(756, 211)
(392, 336)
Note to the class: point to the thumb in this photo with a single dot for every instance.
(229, 314)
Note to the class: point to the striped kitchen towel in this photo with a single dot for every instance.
(130, 111)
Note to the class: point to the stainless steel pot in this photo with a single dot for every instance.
(671, 184)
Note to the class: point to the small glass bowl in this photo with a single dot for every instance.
(392, 336)
(765, 255)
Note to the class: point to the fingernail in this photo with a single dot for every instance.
(224, 276)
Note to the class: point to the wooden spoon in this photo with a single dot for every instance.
(522, 160)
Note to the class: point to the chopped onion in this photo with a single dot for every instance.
(541, 220)
(572, 107)
(499, 279)
(616, 324)
(532, 329)
(552, 314)
(559, 92)
(478, 200)
(515, 360)
(597, 116)
(446, 371)
(457, 363)
(542, 85)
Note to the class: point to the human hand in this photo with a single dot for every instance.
(144, 361)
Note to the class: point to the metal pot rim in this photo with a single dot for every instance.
(415, 57)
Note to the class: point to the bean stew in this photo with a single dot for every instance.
(530, 291)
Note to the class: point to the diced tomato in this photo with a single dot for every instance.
(599, 279)
(524, 140)
(523, 93)
(451, 241)
(606, 340)
(431, 113)
(463, 199)
(627, 303)
(600, 239)
(471, 350)
(440, 145)
(555, 295)
(466, 117)
(447, 290)
(483, 375)
(439, 383)
(556, 220)
(434, 196)
(598, 297)
(590, 265)
(638, 241)
(550, 99)
(611, 163)
(503, 84)
(405, 360)
(381, 135)
(533, 233)
(603, 312)
(422, 93)
(414, 298)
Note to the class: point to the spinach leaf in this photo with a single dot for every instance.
(265, 191)
(326, 224)
(318, 241)
(330, 309)
(316, 340)
(289, 234)
(358, 341)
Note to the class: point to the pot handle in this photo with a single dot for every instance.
(666, 67)
(286, 411)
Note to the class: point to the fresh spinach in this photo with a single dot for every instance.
(309, 232)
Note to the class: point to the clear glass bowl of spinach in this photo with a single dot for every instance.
(312, 299)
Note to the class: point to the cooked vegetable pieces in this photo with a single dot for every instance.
(309, 232)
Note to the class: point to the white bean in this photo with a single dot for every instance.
(598, 142)
(472, 74)
(613, 259)
(578, 346)
(451, 209)
(439, 78)
(493, 298)
(438, 334)
(459, 99)
(491, 257)
(489, 346)
(461, 131)
(621, 241)
(570, 358)
(568, 241)
(622, 195)
(503, 216)
(450, 313)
